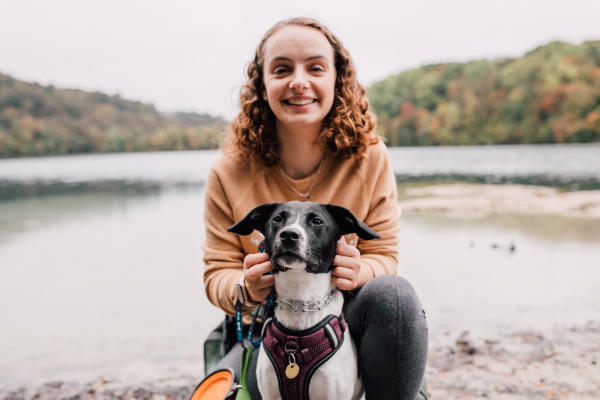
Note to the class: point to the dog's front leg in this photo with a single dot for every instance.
(266, 377)
(336, 379)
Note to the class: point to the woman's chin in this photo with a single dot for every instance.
(296, 120)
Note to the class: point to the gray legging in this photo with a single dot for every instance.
(388, 325)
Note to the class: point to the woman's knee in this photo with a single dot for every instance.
(391, 294)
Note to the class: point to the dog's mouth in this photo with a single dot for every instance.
(291, 254)
(286, 257)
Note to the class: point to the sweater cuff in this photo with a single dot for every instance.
(243, 297)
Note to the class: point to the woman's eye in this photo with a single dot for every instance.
(318, 68)
(317, 221)
(278, 219)
(279, 70)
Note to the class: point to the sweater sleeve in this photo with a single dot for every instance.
(223, 254)
(383, 215)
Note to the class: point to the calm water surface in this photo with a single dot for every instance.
(539, 162)
(101, 261)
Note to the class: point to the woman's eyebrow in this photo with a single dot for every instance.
(280, 58)
(317, 57)
(310, 58)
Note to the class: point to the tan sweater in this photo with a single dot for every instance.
(233, 188)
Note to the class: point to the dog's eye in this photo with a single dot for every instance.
(278, 219)
(317, 221)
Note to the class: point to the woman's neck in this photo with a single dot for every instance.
(300, 152)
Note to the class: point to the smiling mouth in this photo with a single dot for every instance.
(299, 102)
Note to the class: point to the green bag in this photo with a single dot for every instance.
(243, 393)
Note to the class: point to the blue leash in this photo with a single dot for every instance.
(238, 321)
(247, 351)
(239, 329)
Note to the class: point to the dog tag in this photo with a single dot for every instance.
(292, 370)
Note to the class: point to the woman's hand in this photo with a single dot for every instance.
(350, 271)
(258, 285)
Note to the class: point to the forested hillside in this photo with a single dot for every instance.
(44, 120)
(550, 95)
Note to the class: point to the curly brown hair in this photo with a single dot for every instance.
(348, 128)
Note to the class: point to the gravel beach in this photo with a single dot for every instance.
(563, 363)
(559, 364)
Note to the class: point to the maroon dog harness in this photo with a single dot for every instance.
(296, 355)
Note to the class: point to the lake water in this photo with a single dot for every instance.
(101, 261)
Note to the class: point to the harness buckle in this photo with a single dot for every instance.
(291, 345)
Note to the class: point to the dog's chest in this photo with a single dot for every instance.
(301, 286)
(325, 358)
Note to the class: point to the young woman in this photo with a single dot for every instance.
(305, 132)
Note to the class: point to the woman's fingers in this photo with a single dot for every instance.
(258, 284)
(255, 258)
(344, 272)
(345, 249)
(347, 265)
(345, 261)
(266, 281)
(343, 284)
(257, 271)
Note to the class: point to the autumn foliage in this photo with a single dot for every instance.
(43, 120)
(550, 95)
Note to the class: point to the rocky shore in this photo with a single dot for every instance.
(559, 364)
(563, 363)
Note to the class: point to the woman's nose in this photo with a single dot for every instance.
(299, 81)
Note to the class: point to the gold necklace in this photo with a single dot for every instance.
(287, 182)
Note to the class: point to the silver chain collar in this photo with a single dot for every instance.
(303, 306)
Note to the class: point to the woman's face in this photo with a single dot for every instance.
(299, 76)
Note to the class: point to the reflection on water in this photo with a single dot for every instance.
(10, 190)
(469, 278)
(107, 286)
(33, 213)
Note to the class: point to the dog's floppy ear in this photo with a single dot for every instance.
(256, 219)
(348, 223)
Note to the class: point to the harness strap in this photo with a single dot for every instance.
(310, 349)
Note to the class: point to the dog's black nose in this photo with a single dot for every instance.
(289, 236)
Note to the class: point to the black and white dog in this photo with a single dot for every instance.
(301, 238)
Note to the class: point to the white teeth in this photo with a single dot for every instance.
(299, 102)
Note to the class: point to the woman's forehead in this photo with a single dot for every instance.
(297, 42)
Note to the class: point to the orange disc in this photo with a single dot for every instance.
(215, 386)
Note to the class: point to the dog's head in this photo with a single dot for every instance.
(302, 233)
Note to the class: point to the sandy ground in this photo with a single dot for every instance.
(475, 199)
(560, 364)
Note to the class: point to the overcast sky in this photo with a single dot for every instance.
(191, 55)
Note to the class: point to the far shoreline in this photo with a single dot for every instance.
(479, 199)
